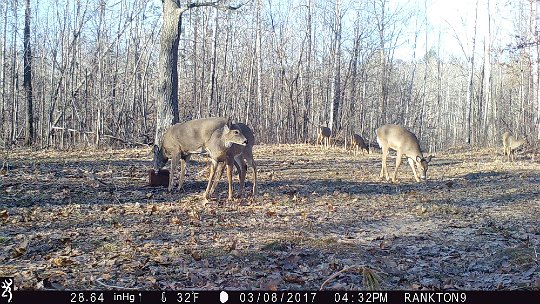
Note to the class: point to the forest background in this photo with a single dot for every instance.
(86, 73)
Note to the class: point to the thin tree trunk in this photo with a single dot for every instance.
(336, 73)
(213, 81)
(15, 80)
(470, 82)
(488, 115)
(3, 114)
(534, 51)
(259, 63)
(28, 76)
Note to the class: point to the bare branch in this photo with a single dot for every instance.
(215, 4)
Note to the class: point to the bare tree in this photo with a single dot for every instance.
(336, 71)
(3, 70)
(535, 59)
(28, 76)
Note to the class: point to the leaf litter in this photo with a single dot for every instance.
(323, 219)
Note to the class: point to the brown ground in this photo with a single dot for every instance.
(88, 220)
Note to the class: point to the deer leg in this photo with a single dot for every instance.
(217, 177)
(254, 166)
(182, 173)
(207, 166)
(241, 166)
(210, 179)
(384, 170)
(174, 166)
(229, 179)
(411, 163)
(248, 156)
(398, 163)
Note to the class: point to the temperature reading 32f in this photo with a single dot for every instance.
(181, 297)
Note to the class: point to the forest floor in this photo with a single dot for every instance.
(88, 220)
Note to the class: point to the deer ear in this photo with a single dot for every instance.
(155, 148)
(229, 122)
(226, 128)
(418, 158)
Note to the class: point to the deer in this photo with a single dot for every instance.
(212, 135)
(404, 142)
(510, 144)
(357, 143)
(323, 136)
(242, 156)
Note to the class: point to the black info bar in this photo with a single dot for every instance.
(260, 296)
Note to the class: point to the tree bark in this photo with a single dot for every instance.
(28, 77)
(336, 73)
(470, 83)
(534, 51)
(167, 102)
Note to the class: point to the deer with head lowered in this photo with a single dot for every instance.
(510, 144)
(404, 142)
(242, 156)
(212, 135)
(323, 136)
(357, 143)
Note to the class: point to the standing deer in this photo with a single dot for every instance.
(510, 144)
(323, 136)
(404, 142)
(212, 135)
(242, 156)
(357, 143)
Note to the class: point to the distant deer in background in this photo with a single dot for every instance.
(357, 143)
(323, 136)
(404, 142)
(510, 144)
(212, 135)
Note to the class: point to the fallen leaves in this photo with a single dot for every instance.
(20, 248)
(478, 230)
(62, 261)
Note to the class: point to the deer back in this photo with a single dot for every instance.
(515, 143)
(191, 136)
(400, 139)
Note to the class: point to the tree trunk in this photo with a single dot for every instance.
(213, 81)
(488, 115)
(336, 73)
(28, 77)
(534, 51)
(167, 102)
(3, 61)
(470, 83)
